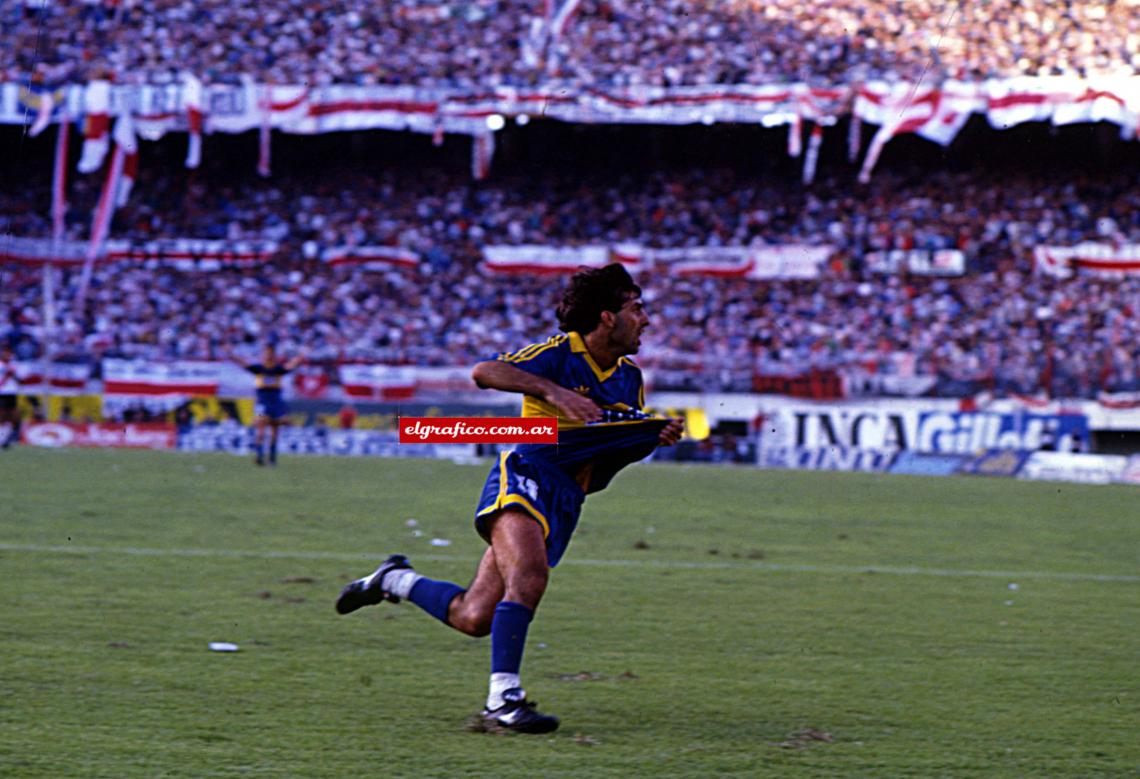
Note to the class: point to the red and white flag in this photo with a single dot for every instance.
(811, 159)
(1012, 101)
(1090, 258)
(540, 260)
(183, 378)
(264, 151)
(796, 136)
(59, 179)
(378, 382)
(113, 194)
(96, 125)
(370, 257)
(482, 152)
(311, 382)
(560, 17)
(127, 144)
(934, 114)
(43, 114)
(192, 99)
(854, 137)
(67, 378)
(722, 267)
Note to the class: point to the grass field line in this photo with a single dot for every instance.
(710, 565)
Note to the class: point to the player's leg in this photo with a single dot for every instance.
(17, 422)
(274, 424)
(9, 422)
(259, 439)
(471, 611)
(468, 610)
(521, 556)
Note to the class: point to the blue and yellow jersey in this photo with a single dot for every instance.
(590, 453)
(268, 379)
(565, 361)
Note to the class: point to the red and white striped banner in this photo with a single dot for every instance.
(184, 253)
(301, 109)
(1096, 259)
(378, 382)
(790, 261)
(370, 257)
(537, 259)
(31, 377)
(184, 378)
(193, 254)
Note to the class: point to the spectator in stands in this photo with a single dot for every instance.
(994, 329)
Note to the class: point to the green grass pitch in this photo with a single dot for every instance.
(706, 622)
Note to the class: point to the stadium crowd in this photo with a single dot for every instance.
(764, 41)
(998, 328)
(606, 42)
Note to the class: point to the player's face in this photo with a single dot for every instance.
(268, 356)
(629, 323)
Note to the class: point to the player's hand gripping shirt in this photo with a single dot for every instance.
(591, 453)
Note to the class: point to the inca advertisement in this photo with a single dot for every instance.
(913, 427)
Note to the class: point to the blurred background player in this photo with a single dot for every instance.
(270, 407)
(9, 399)
(534, 494)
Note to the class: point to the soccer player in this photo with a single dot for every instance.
(534, 494)
(9, 398)
(270, 407)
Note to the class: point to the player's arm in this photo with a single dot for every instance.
(227, 354)
(499, 375)
(295, 363)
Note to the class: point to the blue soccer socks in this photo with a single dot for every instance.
(508, 639)
(508, 636)
(434, 597)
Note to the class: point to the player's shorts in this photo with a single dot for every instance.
(537, 488)
(8, 402)
(271, 407)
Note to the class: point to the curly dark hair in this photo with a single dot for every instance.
(592, 291)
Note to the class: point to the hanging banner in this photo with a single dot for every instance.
(370, 257)
(192, 254)
(936, 113)
(921, 262)
(1089, 258)
(378, 382)
(752, 262)
(178, 379)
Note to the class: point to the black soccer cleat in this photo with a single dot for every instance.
(519, 715)
(369, 590)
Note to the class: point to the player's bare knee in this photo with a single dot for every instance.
(475, 626)
(472, 619)
(527, 586)
(479, 627)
